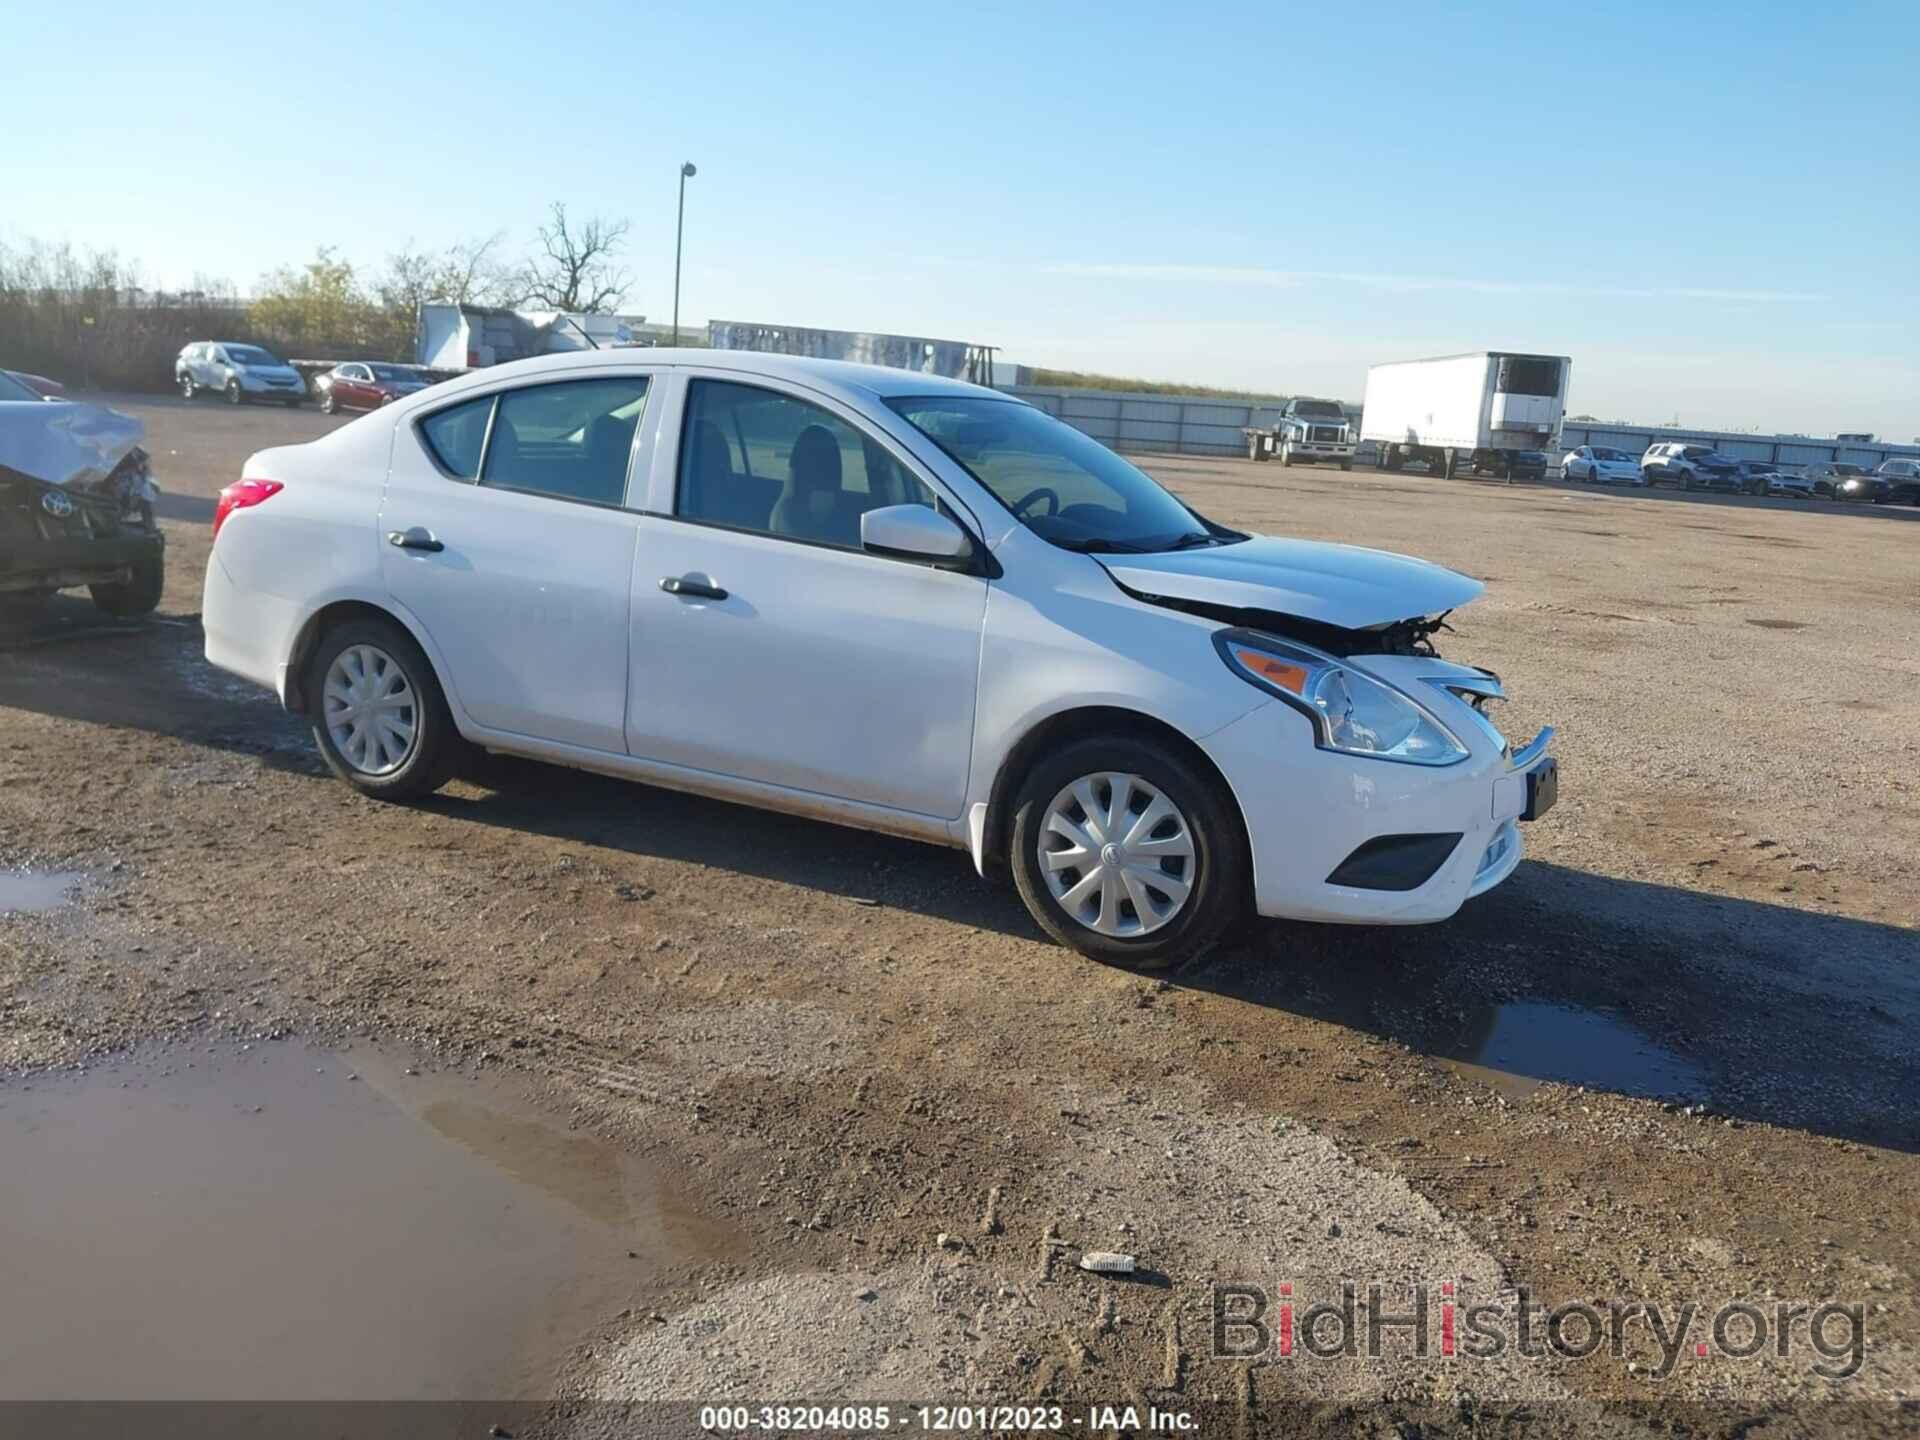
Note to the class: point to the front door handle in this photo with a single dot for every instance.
(417, 538)
(687, 585)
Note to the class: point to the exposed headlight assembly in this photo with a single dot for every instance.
(1351, 712)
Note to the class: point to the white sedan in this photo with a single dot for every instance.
(888, 600)
(1602, 466)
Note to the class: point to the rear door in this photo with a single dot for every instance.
(817, 667)
(506, 533)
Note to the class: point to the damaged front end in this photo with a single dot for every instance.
(77, 507)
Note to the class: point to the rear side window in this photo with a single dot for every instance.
(455, 436)
(571, 440)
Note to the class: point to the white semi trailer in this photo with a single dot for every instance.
(1463, 409)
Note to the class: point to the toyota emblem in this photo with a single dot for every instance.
(57, 504)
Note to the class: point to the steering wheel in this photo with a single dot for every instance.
(1052, 497)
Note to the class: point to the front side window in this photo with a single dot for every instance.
(571, 440)
(1064, 486)
(754, 459)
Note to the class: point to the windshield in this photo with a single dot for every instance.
(1600, 452)
(1848, 470)
(12, 389)
(1066, 488)
(1319, 409)
(250, 355)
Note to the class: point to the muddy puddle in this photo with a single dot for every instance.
(283, 1222)
(1519, 1046)
(28, 892)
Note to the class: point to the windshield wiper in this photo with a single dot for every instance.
(1098, 545)
(1193, 540)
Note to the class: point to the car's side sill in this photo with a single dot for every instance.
(808, 803)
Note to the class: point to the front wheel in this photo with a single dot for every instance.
(1129, 852)
(233, 392)
(379, 716)
(138, 595)
(187, 388)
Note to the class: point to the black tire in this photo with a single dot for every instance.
(140, 595)
(1253, 448)
(1286, 454)
(293, 402)
(436, 753)
(1449, 464)
(328, 405)
(1346, 464)
(1218, 872)
(233, 392)
(188, 390)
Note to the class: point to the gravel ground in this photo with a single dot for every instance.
(849, 1046)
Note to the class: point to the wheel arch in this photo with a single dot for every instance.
(1077, 723)
(337, 612)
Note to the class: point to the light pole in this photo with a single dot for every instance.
(687, 172)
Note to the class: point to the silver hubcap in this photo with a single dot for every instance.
(1117, 855)
(370, 712)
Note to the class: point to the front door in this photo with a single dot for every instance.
(505, 533)
(782, 652)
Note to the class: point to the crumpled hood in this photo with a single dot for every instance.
(1344, 585)
(66, 442)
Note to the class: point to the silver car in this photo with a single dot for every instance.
(239, 372)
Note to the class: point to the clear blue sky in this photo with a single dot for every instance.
(1711, 207)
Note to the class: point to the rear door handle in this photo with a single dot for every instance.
(687, 585)
(417, 538)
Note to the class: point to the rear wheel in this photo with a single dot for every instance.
(1126, 851)
(379, 716)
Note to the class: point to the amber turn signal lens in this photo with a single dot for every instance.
(1273, 670)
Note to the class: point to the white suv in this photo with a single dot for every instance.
(239, 372)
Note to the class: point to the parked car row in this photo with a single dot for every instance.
(242, 373)
(1701, 467)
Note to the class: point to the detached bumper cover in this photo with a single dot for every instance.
(25, 559)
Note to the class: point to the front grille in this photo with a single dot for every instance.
(1324, 434)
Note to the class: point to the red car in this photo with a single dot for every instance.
(39, 384)
(366, 385)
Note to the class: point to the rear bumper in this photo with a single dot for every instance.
(249, 635)
(1307, 818)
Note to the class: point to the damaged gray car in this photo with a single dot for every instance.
(76, 505)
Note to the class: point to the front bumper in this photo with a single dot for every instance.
(1308, 810)
(78, 560)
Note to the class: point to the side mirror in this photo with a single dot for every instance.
(916, 532)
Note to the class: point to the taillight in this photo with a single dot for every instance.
(239, 496)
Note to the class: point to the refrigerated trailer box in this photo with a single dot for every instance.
(1479, 408)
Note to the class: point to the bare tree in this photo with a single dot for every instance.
(576, 271)
(463, 274)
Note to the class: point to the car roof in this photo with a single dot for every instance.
(863, 381)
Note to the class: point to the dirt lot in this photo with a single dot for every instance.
(835, 1048)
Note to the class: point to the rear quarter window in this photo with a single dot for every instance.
(454, 436)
